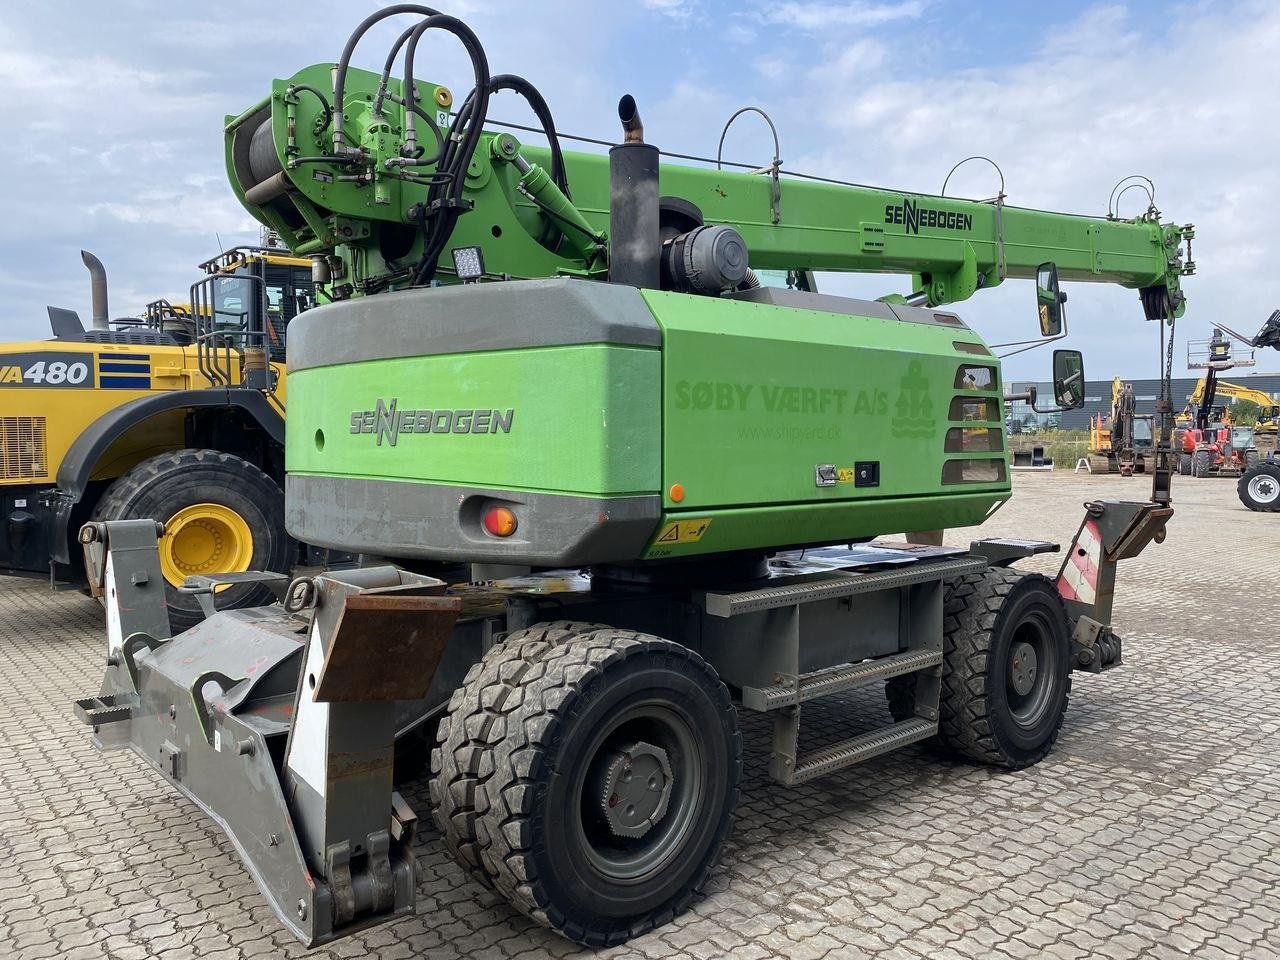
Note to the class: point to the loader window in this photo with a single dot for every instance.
(289, 292)
(231, 303)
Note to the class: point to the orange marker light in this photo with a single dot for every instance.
(500, 521)
(676, 493)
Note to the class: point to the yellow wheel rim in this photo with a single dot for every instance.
(204, 538)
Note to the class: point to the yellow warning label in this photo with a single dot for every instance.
(682, 531)
(844, 474)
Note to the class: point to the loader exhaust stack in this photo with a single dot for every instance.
(98, 289)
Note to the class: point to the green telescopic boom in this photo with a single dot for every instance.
(367, 213)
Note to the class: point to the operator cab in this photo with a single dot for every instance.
(254, 292)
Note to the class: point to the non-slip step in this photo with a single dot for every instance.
(857, 749)
(824, 683)
(839, 584)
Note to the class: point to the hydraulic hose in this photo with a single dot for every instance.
(344, 61)
(531, 94)
(324, 102)
(444, 199)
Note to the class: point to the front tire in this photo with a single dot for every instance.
(1201, 463)
(1259, 486)
(1006, 669)
(221, 515)
(614, 786)
(1184, 464)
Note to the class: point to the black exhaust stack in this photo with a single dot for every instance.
(635, 250)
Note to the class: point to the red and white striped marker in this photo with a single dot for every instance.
(1079, 577)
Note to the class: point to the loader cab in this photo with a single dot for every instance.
(253, 293)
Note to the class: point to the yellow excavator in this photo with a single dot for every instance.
(1120, 443)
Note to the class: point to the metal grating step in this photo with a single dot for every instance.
(858, 749)
(99, 710)
(838, 585)
(824, 683)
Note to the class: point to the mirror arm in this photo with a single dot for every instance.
(1023, 343)
(1030, 397)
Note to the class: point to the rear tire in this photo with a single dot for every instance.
(461, 761)
(1184, 464)
(237, 496)
(1259, 486)
(569, 837)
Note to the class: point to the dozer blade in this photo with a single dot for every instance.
(279, 722)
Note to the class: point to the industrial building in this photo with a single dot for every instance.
(1098, 397)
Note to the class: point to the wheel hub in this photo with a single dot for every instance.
(205, 538)
(636, 789)
(1022, 668)
(1264, 489)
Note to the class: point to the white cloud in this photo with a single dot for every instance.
(675, 9)
(824, 16)
(120, 126)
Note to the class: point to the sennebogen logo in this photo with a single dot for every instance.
(387, 422)
(913, 216)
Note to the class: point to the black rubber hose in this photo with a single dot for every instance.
(324, 103)
(531, 94)
(344, 61)
(464, 136)
(509, 81)
(479, 64)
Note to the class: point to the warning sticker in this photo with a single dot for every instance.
(682, 531)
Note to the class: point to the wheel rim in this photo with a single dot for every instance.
(1264, 488)
(1030, 671)
(204, 538)
(639, 792)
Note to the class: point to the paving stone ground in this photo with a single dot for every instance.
(1152, 831)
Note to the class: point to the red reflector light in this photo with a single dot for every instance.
(500, 521)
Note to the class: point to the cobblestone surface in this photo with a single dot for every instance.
(1153, 830)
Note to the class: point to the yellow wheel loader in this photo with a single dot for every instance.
(177, 415)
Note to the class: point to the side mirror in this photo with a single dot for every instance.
(1049, 300)
(1068, 379)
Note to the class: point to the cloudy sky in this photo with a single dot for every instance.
(114, 115)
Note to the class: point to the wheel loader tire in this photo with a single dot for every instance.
(1200, 463)
(986, 618)
(1259, 486)
(461, 761)
(1184, 464)
(221, 514)
(1250, 458)
(614, 786)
